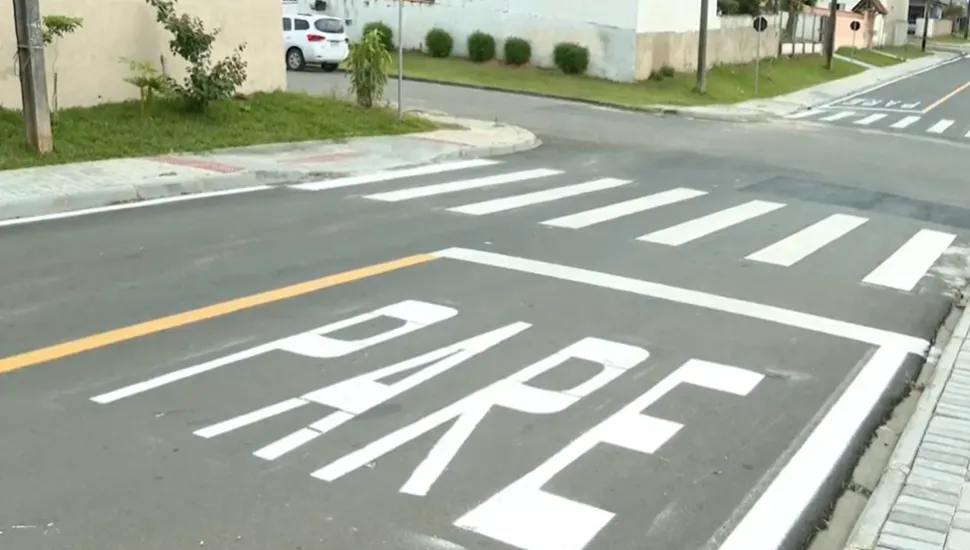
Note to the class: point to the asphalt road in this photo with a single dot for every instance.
(581, 377)
(934, 104)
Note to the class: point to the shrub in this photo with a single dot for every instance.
(367, 65)
(667, 71)
(517, 51)
(571, 58)
(206, 81)
(439, 42)
(481, 47)
(387, 35)
(150, 82)
(655, 76)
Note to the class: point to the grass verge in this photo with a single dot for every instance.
(115, 130)
(870, 57)
(906, 52)
(725, 84)
(950, 39)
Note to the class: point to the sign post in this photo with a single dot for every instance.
(760, 24)
(400, 59)
(855, 26)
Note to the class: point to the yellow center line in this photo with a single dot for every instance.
(88, 343)
(945, 98)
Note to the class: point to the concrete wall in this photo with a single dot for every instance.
(608, 30)
(87, 62)
(730, 40)
(937, 27)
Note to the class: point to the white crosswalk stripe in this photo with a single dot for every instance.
(870, 119)
(893, 121)
(838, 116)
(528, 199)
(940, 126)
(462, 185)
(905, 122)
(711, 223)
(902, 270)
(625, 208)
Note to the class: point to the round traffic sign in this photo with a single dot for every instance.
(855, 25)
(760, 23)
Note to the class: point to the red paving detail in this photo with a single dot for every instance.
(200, 164)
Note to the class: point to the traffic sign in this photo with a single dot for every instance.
(760, 24)
(855, 25)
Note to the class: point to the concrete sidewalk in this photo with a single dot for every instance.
(62, 188)
(763, 109)
(922, 501)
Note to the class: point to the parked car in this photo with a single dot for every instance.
(315, 40)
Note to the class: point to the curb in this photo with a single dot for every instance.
(122, 194)
(878, 507)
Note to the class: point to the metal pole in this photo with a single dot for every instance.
(33, 75)
(702, 49)
(757, 65)
(830, 39)
(400, 58)
(926, 23)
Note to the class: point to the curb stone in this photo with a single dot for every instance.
(879, 505)
(123, 194)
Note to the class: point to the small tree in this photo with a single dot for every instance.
(54, 27)
(206, 81)
(149, 81)
(368, 64)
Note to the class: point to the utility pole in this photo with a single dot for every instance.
(702, 49)
(926, 23)
(830, 35)
(33, 75)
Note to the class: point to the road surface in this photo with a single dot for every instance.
(935, 103)
(582, 347)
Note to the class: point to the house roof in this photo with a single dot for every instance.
(877, 5)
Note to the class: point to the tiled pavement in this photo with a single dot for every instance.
(930, 508)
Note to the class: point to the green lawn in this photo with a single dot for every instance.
(950, 39)
(119, 130)
(869, 56)
(726, 84)
(906, 52)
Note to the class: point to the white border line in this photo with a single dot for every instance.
(772, 314)
(131, 205)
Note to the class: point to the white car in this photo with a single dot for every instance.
(315, 40)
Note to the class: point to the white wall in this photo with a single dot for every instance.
(608, 30)
(674, 16)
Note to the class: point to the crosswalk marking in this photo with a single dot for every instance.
(940, 127)
(462, 185)
(618, 210)
(703, 226)
(803, 114)
(838, 116)
(905, 122)
(870, 119)
(388, 175)
(904, 269)
(794, 248)
(548, 195)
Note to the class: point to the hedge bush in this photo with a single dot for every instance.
(571, 58)
(517, 51)
(387, 35)
(481, 47)
(439, 42)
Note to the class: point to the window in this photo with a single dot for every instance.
(287, 24)
(329, 25)
(301, 24)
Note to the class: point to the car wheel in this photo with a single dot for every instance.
(330, 67)
(295, 60)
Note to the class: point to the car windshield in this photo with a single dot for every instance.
(329, 25)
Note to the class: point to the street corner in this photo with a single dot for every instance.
(477, 138)
(455, 395)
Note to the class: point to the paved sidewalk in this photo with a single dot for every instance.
(922, 501)
(62, 188)
(763, 109)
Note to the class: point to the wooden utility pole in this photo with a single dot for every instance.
(702, 49)
(33, 74)
(830, 35)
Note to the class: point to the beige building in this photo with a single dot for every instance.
(88, 63)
